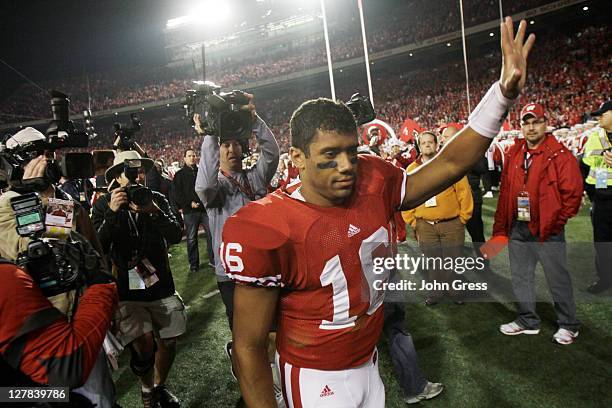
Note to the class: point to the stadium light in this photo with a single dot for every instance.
(209, 11)
(491, 34)
(410, 54)
(585, 8)
(532, 22)
(448, 44)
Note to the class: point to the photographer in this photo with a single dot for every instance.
(224, 187)
(135, 226)
(46, 338)
(29, 166)
(36, 169)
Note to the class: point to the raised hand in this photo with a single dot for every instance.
(514, 57)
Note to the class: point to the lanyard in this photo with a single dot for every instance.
(246, 189)
(526, 164)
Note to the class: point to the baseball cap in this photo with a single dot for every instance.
(534, 109)
(454, 125)
(603, 108)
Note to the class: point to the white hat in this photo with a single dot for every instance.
(120, 158)
(24, 137)
(394, 142)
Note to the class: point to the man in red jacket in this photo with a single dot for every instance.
(541, 189)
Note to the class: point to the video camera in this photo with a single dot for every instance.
(57, 266)
(61, 133)
(224, 113)
(124, 134)
(361, 108)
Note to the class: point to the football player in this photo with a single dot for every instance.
(305, 254)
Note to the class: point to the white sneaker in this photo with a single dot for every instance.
(564, 336)
(488, 194)
(430, 391)
(513, 328)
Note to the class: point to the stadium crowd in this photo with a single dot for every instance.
(566, 84)
(132, 224)
(401, 26)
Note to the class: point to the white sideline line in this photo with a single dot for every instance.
(210, 294)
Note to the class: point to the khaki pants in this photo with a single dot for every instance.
(441, 240)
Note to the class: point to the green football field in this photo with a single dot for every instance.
(457, 345)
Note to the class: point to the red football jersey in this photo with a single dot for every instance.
(329, 314)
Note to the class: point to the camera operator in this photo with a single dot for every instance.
(35, 170)
(224, 187)
(33, 175)
(135, 226)
(46, 337)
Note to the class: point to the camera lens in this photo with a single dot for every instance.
(140, 195)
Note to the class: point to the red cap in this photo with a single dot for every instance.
(534, 109)
(455, 125)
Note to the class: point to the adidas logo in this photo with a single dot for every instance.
(353, 230)
(327, 392)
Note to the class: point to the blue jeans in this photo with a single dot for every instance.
(402, 351)
(192, 224)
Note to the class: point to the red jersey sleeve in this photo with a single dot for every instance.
(60, 353)
(253, 241)
(389, 180)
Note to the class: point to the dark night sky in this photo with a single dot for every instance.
(46, 39)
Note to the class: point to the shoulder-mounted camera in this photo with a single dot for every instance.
(124, 134)
(61, 133)
(224, 114)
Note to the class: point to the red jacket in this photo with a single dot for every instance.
(558, 183)
(58, 352)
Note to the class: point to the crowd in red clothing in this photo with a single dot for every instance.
(396, 26)
(568, 84)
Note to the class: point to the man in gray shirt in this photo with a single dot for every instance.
(224, 186)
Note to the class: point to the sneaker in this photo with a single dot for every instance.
(564, 336)
(513, 328)
(430, 391)
(278, 390)
(488, 194)
(149, 399)
(166, 398)
(228, 353)
(431, 301)
(598, 287)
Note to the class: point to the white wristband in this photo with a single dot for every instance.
(491, 112)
